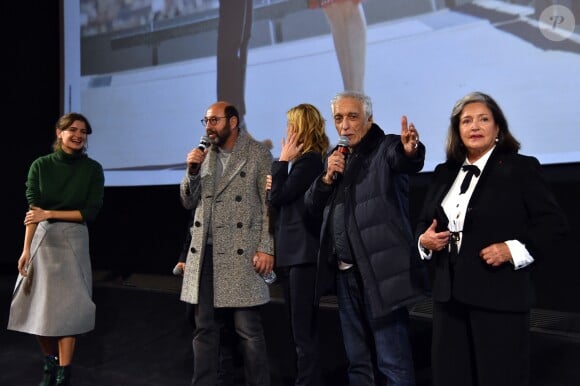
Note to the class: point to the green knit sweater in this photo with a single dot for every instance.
(61, 181)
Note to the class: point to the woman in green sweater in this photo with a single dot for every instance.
(53, 294)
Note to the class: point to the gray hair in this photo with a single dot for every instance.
(359, 96)
(506, 142)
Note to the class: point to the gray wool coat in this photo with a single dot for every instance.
(236, 208)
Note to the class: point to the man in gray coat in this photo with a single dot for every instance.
(231, 246)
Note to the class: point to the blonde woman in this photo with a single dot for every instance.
(297, 233)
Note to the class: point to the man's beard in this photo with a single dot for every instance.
(220, 138)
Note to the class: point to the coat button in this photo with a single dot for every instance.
(240, 251)
(242, 174)
(197, 224)
(238, 198)
(239, 225)
(193, 250)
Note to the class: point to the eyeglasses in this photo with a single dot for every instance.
(212, 120)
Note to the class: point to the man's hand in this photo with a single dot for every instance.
(195, 158)
(263, 262)
(409, 137)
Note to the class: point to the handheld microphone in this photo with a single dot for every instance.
(342, 148)
(204, 143)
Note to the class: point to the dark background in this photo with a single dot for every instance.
(141, 229)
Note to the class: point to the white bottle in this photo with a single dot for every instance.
(270, 277)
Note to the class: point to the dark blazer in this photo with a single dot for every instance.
(511, 201)
(296, 231)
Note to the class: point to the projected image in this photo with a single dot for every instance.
(144, 72)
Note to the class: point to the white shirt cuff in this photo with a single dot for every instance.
(520, 256)
(423, 252)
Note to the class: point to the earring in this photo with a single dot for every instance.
(496, 139)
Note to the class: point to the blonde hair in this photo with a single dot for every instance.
(309, 125)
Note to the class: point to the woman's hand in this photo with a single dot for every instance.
(496, 254)
(432, 240)
(290, 147)
(35, 215)
(23, 263)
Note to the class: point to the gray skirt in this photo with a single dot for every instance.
(55, 299)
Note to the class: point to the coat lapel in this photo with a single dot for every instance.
(237, 160)
(451, 171)
(490, 168)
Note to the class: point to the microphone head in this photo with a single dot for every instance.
(204, 142)
(343, 141)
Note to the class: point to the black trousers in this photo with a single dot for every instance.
(473, 346)
(213, 338)
(298, 283)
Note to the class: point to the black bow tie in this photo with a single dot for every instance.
(471, 170)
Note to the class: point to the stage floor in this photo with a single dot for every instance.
(142, 338)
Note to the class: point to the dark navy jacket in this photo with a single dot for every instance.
(297, 232)
(376, 188)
